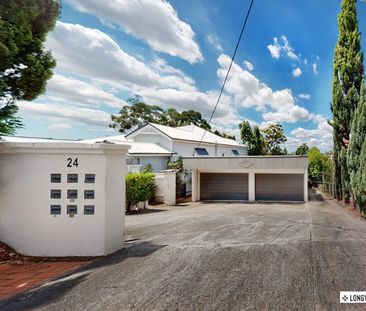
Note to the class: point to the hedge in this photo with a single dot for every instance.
(140, 187)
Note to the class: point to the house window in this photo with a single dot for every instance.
(235, 152)
(201, 151)
(129, 161)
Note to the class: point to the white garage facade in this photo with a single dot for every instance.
(249, 178)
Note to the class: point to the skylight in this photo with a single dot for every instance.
(201, 151)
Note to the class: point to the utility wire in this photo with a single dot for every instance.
(228, 71)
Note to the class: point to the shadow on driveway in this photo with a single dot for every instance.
(46, 293)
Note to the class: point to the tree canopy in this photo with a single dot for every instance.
(265, 141)
(137, 113)
(302, 149)
(25, 65)
(274, 136)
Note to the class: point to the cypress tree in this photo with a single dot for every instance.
(347, 78)
(358, 136)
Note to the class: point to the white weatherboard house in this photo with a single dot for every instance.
(155, 144)
(182, 141)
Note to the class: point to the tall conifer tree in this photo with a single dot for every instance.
(347, 78)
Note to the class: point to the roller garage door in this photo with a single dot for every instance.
(223, 186)
(279, 187)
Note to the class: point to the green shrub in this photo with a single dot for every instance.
(140, 187)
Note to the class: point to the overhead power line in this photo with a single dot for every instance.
(228, 71)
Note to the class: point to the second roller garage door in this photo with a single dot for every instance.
(279, 187)
(224, 186)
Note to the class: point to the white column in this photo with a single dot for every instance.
(306, 186)
(251, 186)
(194, 185)
(169, 187)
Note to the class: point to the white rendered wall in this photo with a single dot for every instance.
(25, 220)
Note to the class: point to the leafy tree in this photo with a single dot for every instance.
(8, 121)
(274, 136)
(246, 133)
(357, 137)
(136, 114)
(258, 145)
(317, 164)
(302, 149)
(253, 138)
(347, 76)
(25, 66)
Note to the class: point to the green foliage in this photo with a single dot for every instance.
(348, 73)
(140, 187)
(274, 136)
(137, 113)
(25, 66)
(224, 135)
(246, 133)
(302, 149)
(357, 138)
(8, 121)
(178, 166)
(359, 182)
(263, 142)
(258, 145)
(148, 168)
(318, 164)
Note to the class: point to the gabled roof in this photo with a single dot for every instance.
(190, 133)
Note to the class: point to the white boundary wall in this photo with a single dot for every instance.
(26, 223)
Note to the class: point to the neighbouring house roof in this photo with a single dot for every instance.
(20, 139)
(191, 133)
(137, 148)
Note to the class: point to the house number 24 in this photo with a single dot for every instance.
(72, 162)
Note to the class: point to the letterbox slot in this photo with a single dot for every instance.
(72, 178)
(72, 209)
(72, 194)
(89, 194)
(89, 178)
(55, 194)
(55, 209)
(88, 209)
(56, 178)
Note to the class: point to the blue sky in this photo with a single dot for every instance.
(176, 53)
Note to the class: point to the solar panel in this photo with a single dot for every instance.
(201, 151)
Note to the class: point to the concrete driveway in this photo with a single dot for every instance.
(221, 257)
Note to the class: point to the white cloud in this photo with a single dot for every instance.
(275, 49)
(296, 72)
(92, 53)
(315, 65)
(304, 96)
(249, 92)
(79, 92)
(154, 21)
(248, 65)
(59, 126)
(282, 47)
(321, 137)
(61, 111)
(214, 41)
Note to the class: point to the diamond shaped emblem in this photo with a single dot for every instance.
(246, 163)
